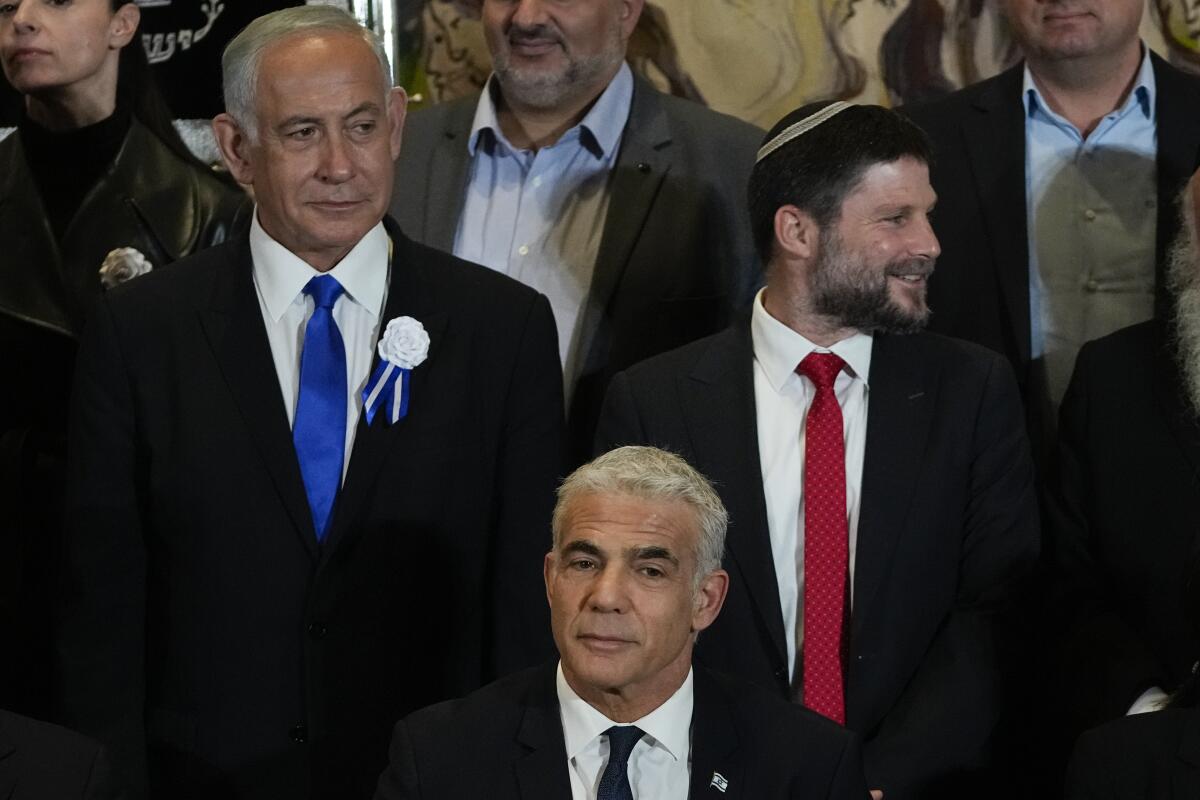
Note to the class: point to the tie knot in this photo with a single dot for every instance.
(324, 290)
(821, 368)
(621, 741)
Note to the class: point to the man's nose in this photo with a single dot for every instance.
(925, 242)
(609, 590)
(529, 13)
(337, 165)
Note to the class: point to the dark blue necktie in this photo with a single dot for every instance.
(319, 430)
(614, 784)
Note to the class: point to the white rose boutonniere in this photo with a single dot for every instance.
(121, 265)
(403, 346)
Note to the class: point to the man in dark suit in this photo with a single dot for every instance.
(1124, 513)
(40, 761)
(279, 543)
(622, 204)
(873, 548)
(1061, 172)
(633, 577)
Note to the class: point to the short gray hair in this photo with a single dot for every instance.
(241, 59)
(649, 473)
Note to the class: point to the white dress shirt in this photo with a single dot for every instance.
(279, 280)
(781, 400)
(660, 764)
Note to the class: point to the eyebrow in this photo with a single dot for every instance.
(655, 553)
(583, 546)
(300, 119)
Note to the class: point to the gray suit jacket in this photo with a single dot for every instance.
(676, 257)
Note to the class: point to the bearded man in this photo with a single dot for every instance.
(621, 204)
(878, 478)
(1125, 511)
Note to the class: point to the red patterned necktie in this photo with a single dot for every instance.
(825, 541)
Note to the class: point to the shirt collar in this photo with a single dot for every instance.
(1144, 93)
(604, 123)
(669, 725)
(281, 275)
(779, 349)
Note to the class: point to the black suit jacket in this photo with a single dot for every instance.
(980, 291)
(1143, 757)
(205, 625)
(148, 199)
(505, 742)
(676, 256)
(39, 761)
(1124, 522)
(947, 531)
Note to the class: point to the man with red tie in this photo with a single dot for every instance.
(878, 478)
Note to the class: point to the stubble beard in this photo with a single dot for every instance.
(543, 89)
(856, 294)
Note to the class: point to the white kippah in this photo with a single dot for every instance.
(798, 129)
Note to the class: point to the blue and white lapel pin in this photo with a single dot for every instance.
(403, 346)
(718, 782)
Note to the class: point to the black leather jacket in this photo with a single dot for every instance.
(149, 199)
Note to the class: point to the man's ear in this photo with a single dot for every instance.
(548, 573)
(630, 11)
(235, 148)
(397, 112)
(710, 597)
(797, 234)
(124, 25)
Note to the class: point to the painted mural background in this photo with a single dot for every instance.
(758, 59)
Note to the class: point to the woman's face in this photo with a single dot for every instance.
(54, 45)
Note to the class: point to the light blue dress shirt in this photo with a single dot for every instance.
(538, 215)
(1091, 206)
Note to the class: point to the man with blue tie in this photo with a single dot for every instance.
(310, 469)
(633, 578)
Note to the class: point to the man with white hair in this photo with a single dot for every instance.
(1125, 508)
(633, 577)
(278, 541)
(623, 205)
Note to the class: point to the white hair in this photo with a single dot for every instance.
(242, 57)
(1183, 280)
(648, 473)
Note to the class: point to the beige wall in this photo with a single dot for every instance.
(758, 59)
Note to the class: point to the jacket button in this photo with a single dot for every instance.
(316, 631)
(299, 734)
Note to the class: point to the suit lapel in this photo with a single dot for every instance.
(409, 296)
(449, 170)
(995, 139)
(234, 327)
(542, 772)
(718, 404)
(903, 392)
(641, 166)
(717, 758)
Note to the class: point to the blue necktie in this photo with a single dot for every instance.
(319, 430)
(614, 784)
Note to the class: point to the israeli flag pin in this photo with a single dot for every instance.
(719, 781)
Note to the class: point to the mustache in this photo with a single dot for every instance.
(518, 34)
(922, 267)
